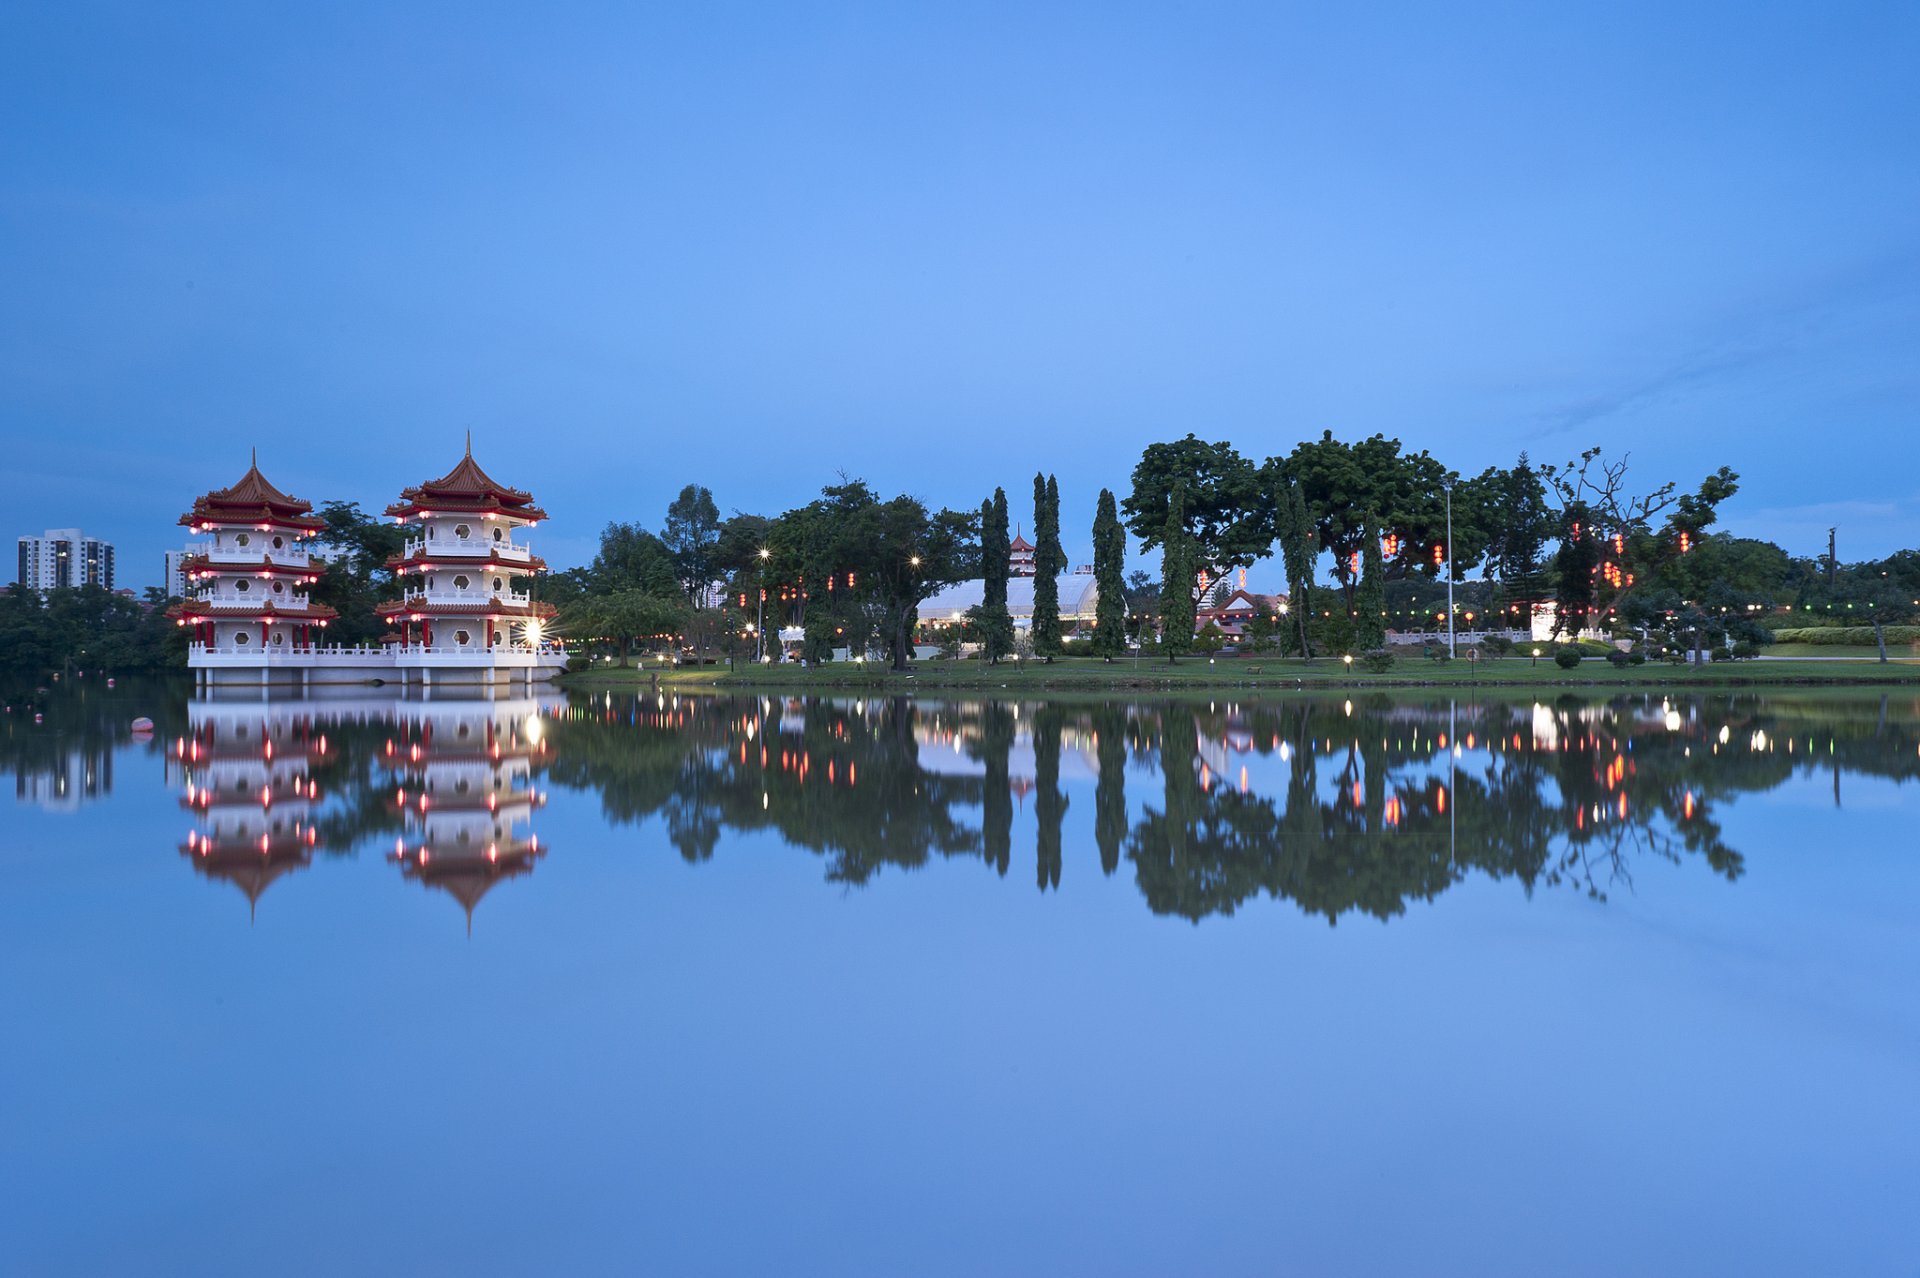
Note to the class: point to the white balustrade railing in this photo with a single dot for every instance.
(475, 546)
(292, 555)
(330, 652)
(447, 595)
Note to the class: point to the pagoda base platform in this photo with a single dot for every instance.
(409, 667)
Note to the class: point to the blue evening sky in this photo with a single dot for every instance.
(942, 246)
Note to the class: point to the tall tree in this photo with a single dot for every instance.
(631, 558)
(692, 536)
(1370, 600)
(1224, 512)
(356, 547)
(1178, 570)
(1522, 526)
(1048, 562)
(991, 620)
(1109, 561)
(1611, 545)
(1406, 492)
(1293, 529)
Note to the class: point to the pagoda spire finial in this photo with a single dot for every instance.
(254, 460)
(469, 441)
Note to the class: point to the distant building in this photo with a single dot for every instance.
(1236, 609)
(1020, 557)
(174, 578)
(1079, 598)
(64, 557)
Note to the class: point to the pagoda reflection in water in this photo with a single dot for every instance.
(465, 792)
(450, 782)
(247, 776)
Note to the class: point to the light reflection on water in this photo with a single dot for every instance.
(1672, 907)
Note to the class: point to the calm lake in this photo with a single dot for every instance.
(751, 985)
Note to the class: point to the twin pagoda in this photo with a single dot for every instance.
(460, 619)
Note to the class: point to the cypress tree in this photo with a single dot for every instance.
(1295, 528)
(1047, 562)
(1370, 600)
(1177, 568)
(995, 623)
(1109, 562)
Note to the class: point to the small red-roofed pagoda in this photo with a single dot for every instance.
(249, 581)
(462, 609)
(1020, 557)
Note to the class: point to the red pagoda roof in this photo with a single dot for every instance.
(1020, 543)
(263, 565)
(466, 488)
(253, 500)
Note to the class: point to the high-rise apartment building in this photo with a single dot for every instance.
(65, 557)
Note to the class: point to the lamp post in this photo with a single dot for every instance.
(1448, 483)
(760, 631)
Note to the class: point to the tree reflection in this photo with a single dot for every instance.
(1339, 807)
(1356, 808)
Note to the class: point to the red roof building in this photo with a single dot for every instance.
(248, 582)
(1021, 556)
(461, 566)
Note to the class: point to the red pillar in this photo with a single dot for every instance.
(426, 633)
(263, 633)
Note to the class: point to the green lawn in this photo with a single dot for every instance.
(1866, 652)
(1253, 672)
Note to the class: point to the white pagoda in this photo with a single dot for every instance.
(247, 584)
(462, 618)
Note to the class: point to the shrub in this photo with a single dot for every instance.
(1745, 651)
(1721, 654)
(1567, 656)
(1617, 659)
(1497, 645)
(1376, 660)
(1637, 657)
(1850, 636)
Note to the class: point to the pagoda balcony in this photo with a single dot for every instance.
(446, 595)
(248, 599)
(292, 554)
(475, 547)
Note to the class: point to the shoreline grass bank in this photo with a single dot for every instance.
(1275, 674)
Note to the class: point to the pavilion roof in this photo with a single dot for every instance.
(466, 488)
(252, 499)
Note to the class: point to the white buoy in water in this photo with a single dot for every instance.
(143, 725)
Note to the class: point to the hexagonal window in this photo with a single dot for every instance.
(243, 585)
(462, 531)
(462, 582)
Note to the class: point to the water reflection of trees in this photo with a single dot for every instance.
(1338, 807)
(1360, 807)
